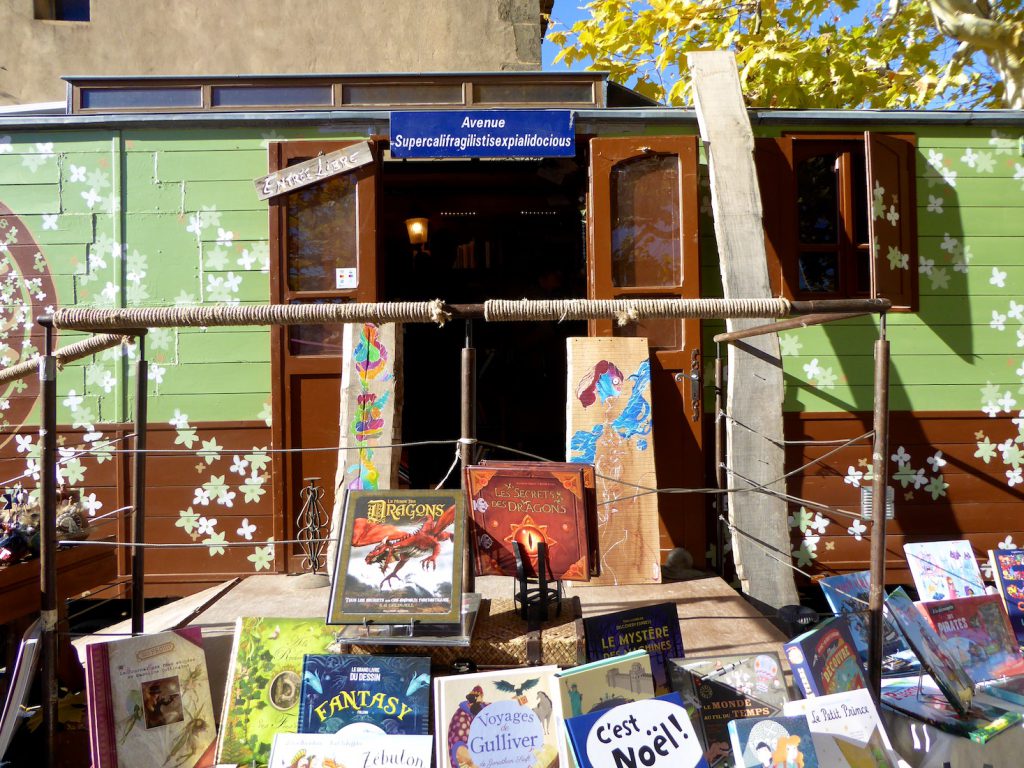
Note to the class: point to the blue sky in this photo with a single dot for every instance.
(563, 15)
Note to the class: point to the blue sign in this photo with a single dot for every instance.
(483, 133)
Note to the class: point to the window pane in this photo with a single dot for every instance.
(316, 339)
(450, 93)
(819, 272)
(136, 98)
(860, 198)
(863, 267)
(817, 198)
(271, 95)
(533, 93)
(646, 249)
(661, 333)
(321, 233)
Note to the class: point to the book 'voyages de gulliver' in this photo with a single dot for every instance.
(400, 558)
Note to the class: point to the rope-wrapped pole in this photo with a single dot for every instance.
(263, 314)
(625, 311)
(66, 355)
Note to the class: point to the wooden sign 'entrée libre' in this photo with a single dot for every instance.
(311, 171)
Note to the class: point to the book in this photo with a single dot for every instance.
(650, 733)
(313, 750)
(1009, 690)
(529, 504)
(847, 594)
(976, 631)
(772, 741)
(1008, 574)
(654, 628)
(921, 699)
(388, 694)
(400, 558)
(590, 496)
(510, 718)
(149, 700)
(19, 680)
(943, 570)
(606, 683)
(417, 633)
(846, 730)
(950, 676)
(824, 659)
(264, 680)
(724, 688)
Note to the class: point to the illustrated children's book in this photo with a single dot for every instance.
(824, 659)
(1008, 573)
(724, 688)
(947, 672)
(652, 733)
(511, 718)
(976, 631)
(529, 504)
(943, 570)
(590, 496)
(355, 749)
(847, 593)
(149, 700)
(264, 680)
(773, 741)
(846, 730)
(920, 698)
(606, 683)
(654, 628)
(400, 558)
(390, 694)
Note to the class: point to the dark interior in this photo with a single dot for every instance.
(501, 230)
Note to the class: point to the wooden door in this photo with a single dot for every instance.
(643, 243)
(315, 231)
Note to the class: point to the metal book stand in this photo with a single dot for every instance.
(535, 594)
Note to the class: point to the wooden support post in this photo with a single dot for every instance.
(879, 485)
(467, 434)
(48, 540)
(139, 490)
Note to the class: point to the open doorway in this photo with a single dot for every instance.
(495, 230)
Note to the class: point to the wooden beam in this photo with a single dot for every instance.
(754, 389)
(784, 325)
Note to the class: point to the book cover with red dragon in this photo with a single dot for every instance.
(529, 504)
(400, 558)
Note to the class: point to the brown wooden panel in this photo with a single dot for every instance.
(930, 427)
(962, 488)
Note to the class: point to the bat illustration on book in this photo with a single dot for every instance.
(399, 546)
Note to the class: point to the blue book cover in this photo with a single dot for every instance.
(847, 594)
(376, 695)
(652, 628)
(1008, 574)
(824, 660)
(772, 741)
(650, 733)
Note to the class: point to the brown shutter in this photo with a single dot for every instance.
(774, 159)
(892, 219)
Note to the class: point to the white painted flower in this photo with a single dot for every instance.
(936, 461)
(109, 382)
(210, 216)
(156, 373)
(210, 451)
(247, 259)
(877, 201)
(215, 542)
(77, 174)
(897, 259)
(986, 451)
(24, 443)
(857, 530)
(969, 158)
(991, 410)
(950, 244)
(986, 162)
(939, 278)
(934, 204)
(216, 258)
(92, 504)
(246, 529)
(812, 369)
(820, 523)
(901, 456)
(195, 225)
(925, 266)
(806, 554)
(789, 344)
(1002, 143)
(207, 526)
(179, 420)
(91, 197)
(202, 497)
(226, 498)
(5, 145)
(225, 237)
(919, 479)
(937, 487)
(110, 292)
(998, 321)
(1007, 543)
(232, 282)
(50, 221)
(998, 278)
(1020, 337)
(73, 400)
(1013, 477)
(1016, 311)
(853, 476)
(239, 465)
(269, 137)
(1006, 402)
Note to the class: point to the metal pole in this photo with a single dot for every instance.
(879, 451)
(468, 434)
(785, 325)
(48, 539)
(139, 490)
(721, 500)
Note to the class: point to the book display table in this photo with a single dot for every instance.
(924, 746)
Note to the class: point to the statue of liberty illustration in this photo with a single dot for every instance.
(624, 427)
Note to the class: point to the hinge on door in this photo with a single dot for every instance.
(696, 384)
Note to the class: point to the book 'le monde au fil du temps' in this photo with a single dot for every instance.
(149, 700)
(382, 695)
(653, 628)
(650, 733)
(529, 504)
(400, 558)
(824, 660)
(510, 718)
